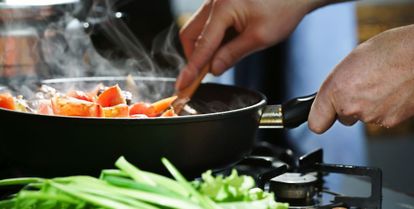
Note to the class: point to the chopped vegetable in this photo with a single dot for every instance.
(169, 113)
(132, 188)
(141, 108)
(68, 106)
(111, 96)
(101, 101)
(162, 105)
(117, 111)
(7, 101)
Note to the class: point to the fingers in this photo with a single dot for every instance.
(205, 47)
(232, 52)
(192, 29)
(322, 114)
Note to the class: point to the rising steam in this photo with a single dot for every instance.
(64, 48)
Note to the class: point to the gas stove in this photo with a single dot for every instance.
(300, 181)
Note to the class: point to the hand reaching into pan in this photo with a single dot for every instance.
(374, 84)
(258, 24)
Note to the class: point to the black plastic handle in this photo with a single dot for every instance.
(296, 111)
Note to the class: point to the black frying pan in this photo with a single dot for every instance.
(221, 135)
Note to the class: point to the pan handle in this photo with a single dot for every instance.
(290, 114)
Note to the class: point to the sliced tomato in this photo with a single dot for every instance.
(142, 108)
(117, 111)
(69, 106)
(111, 96)
(163, 104)
(80, 95)
(169, 113)
(7, 101)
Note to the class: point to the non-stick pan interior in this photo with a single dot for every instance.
(209, 98)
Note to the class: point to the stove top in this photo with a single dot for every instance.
(305, 182)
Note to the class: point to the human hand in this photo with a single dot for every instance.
(258, 23)
(374, 84)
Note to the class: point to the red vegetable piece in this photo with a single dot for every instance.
(68, 106)
(142, 108)
(111, 97)
(7, 101)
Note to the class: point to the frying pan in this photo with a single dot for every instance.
(222, 134)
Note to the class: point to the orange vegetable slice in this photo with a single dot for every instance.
(162, 105)
(7, 101)
(117, 111)
(111, 97)
(68, 106)
(169, 113)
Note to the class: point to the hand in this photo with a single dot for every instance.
(258, 23)
(374, 84)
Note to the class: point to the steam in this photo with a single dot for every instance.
(62, 47)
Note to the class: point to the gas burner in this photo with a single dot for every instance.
(292, 187)
(300, 181)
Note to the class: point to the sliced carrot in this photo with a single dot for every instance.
(68, 106)
(7, 101)
(169, 113)
(111, 97)
(117, 111)
(163, 104)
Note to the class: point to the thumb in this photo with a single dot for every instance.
(322, 114)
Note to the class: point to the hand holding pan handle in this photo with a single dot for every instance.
(290, 114)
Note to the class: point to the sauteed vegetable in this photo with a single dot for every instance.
(128, 187)
(107, 102)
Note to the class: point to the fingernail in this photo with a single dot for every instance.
(218, 67)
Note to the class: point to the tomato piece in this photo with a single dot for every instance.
(169, 113)
(80, 95)
(7, 101)
(111, 96)
(142, 108)
(117, 111)
(163, 104)
(68, 106)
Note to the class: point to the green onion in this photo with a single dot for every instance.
(133, 171)
(203, 200)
